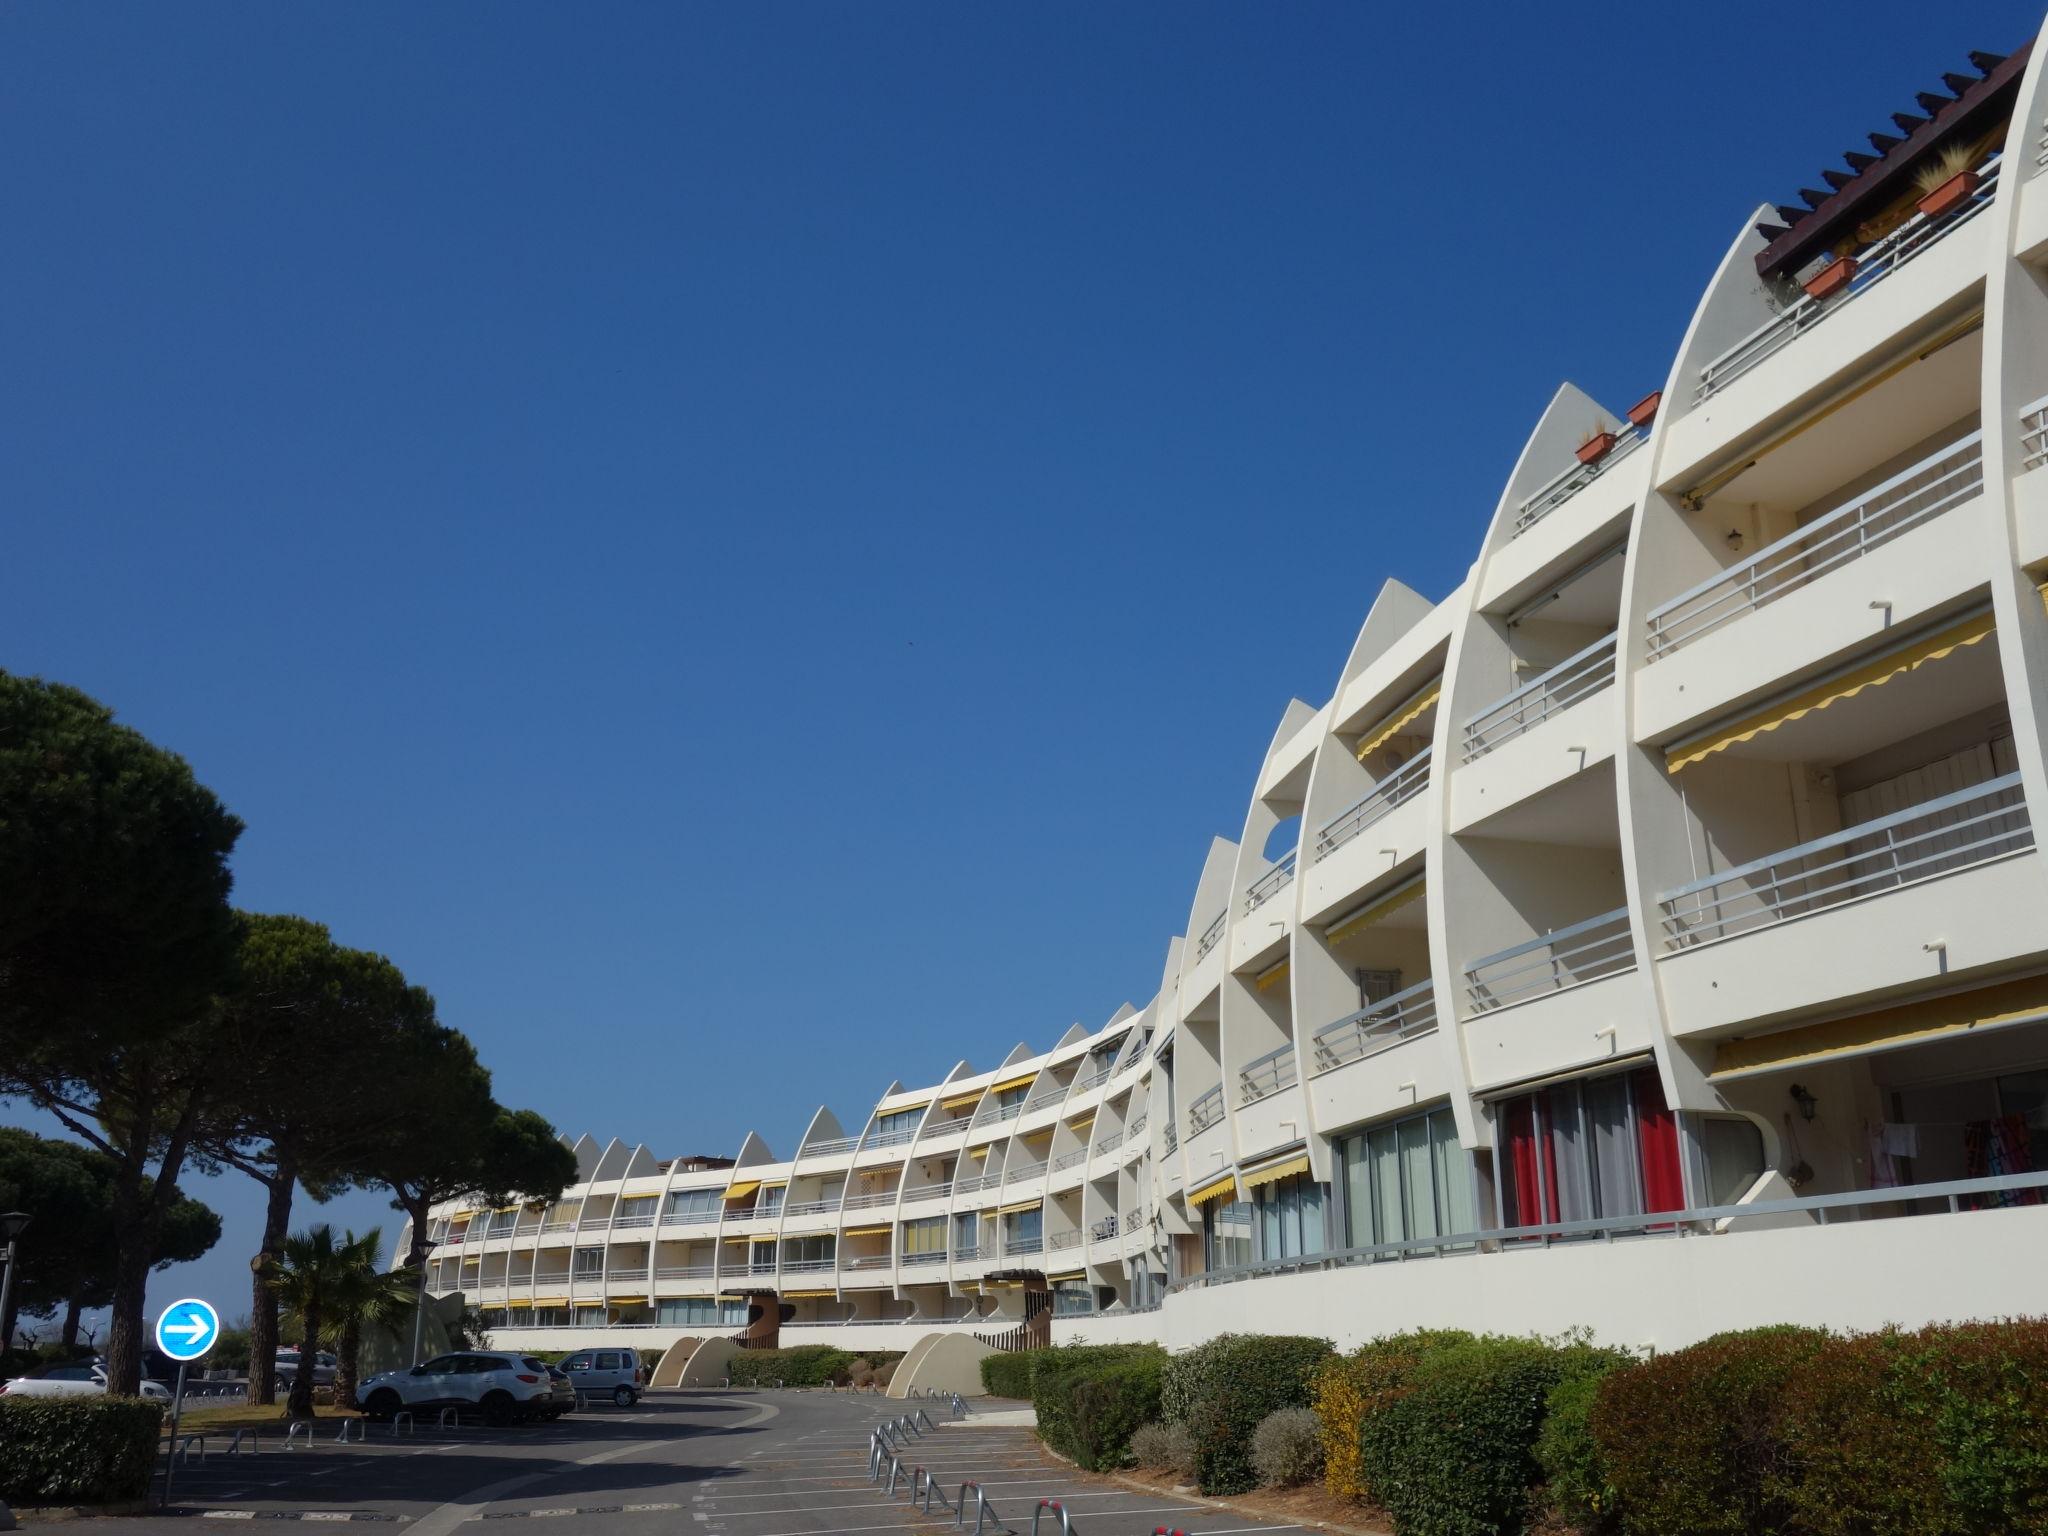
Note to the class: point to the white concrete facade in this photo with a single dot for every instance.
(1680, 859)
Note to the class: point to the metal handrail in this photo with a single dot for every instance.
(1403, 1016)
(1137, 1125)
(810, 1207)
(996, 1114)
(1392, 792)
(1903, 848)
(1568, 482)
(684, 1272)
(870, 1202)
(625, 1274)
(925, 1256)
(1571, 956)
(1211, 935)
(974, 1181)
(1110, 1142)
(1268, 1075)
(620, 1222)
(1270, 884)
(808, 1266)
(870, 1261)
(1023, 1244)
(830, 1148)
(1205, 1110)
(1579, 676)
(1061, 1240)
(1172, 1135)
(1099, 1075)
(948, 1127)
(1884, 257)
(1944, 479)
(2034, 434)
(1706, 1222)
(1069, 1159)
(894, 1138)
(1022, 1171)
(686, 1218)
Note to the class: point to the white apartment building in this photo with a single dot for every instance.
(1650, 935)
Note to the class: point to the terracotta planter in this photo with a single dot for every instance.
(1950, 195)
(1644, 411)
(1832, 278)
(1594, 449)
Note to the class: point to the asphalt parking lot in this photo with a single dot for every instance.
(711, 1463)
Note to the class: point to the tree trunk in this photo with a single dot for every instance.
(277, 1217)
(71, 1311)
(138, 1221)
(300, 1404)
(345, 1353)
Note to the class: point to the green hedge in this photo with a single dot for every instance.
(1090, 1400)
(1223, 1389)
(1349, 1389)
(93, 1450)
(1009, 1375)
(807, 1365)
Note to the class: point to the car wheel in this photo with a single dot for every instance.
(382, 1404)
(625, 1397)
(497, 1408)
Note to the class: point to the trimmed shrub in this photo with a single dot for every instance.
(1223, 1389)
(1287, 1448)
(1690, 1440)
(1165, 1448)
(1349, 1389)
(1009, 1375)
(92, 1450)
(808, 1365)
(650, 1358)
(1580, 1494)
(1090, 1400)
(884, 1374)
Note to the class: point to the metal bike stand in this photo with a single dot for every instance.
(983, 1510)
(299, 1433)
(403, 1416)
(1059, 1510)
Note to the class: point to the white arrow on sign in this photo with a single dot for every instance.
(198, 1328)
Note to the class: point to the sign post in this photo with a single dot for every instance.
(185, 1330)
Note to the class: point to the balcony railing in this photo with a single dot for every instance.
(997, 1114)
(1132, 1131)
(929, 1256)
(1110, 1142)
(1943, 479)
(559, 1224)
(2034, 434)
(808, 1266)
(895, 1138)
(1395, 790)
(1172, 1137)
(1580, 675)
(1211, 935)
(970, 1251)
(810, 1207)
(1105, 1228)
(1884, 257)
(1060, 1240)
(752, 1267)
(1408, 1013)
(615, 1276)
(1569, 957)
(1269, 885)
(1205, 1111)
(1069, 1159)
(948, 1127)
(621, 1222)
(1021, 1245)
(1555, 493)
(830, 1148)
(1937, 837)
(1090, 1079)
(871, 1261)
(972, 1182)
(688, 1218)
(683, 1272)
(1266, 1076)
(1018, 1172)
(870, 1202)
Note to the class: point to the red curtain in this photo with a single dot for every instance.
(1526, 1205)
(1663, 1184)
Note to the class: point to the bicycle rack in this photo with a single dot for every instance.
(237, 1439)
(959, 1406)
(299, 1433)
(983, 1510)
(403, 1417)
(1059, 1510)
(184, 1450)
(1160, 1530)
(925, 1418)
(451, 1418)
(931, 1491)
(895, 1467)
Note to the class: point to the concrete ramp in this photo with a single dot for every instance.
(669, 1373)
(942, 1362)
(707, 1364)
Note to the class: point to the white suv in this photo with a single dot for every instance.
(500, 1387)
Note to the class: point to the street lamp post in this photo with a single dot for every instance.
(419, 1305)
(11, 1224)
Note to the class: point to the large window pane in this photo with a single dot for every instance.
(1417, 1184)
(1567, 1165)
(1390, 1220)
(1735, 1157)
(1453, 1176)
(1614, 1164)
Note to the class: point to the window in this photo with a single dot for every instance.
(608, 1360)
(1072, 1298)
(966, 1234)
(769, 1201)
(1011, 1096)
(1603, 1146)
(501, 1222)
(902, 1120)
(1023, 1226)
(1734, 1150)
(550, 1317)
(693, 1204)
(587, 1316)
(589, 1261)
(1405, 1179)
(578, 1362)
(1226, 1234)
(632, 1210)
(927, 1236)
(703, 1312)
(1290, 1218)
(809, 1250)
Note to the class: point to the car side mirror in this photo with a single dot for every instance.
(419, 1370)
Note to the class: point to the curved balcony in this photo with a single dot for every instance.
(1269, 885)
(1579, 676)
(1552, 962)
(1268, 1075)
(1408, 1013)
(1205, 1110)
(1395, 790)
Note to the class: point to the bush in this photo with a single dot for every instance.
(1090, 1400)
(1009, 1375)
(883, 1375)
(1690, 1440)
(860, 1373)
(1349, 1389)
(93, 1450)
(1580, 1494)
(1287, 1448)
(1165, 1448)
(1223, 1389)
(650, 1358)
(808, 1365)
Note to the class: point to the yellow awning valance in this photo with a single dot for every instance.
(1041, 1134)
(1015, 1082)
(551, 1301)
(1934, 1018)
(1272, 976)
(1215, 1190)
(775, 1183)
(963, 1101)
(980, 1152)
(460, 1215)
(807, 1295)
(1021, 1205)
(740, 1238)
(1068, 1274)
(867, 1231)
(1272, 1173)
(903, 1109)
(627, 1301)
(1080, 1127)
(1391, 726)
(1897, 662)
(741, 1191)
(1364, 917)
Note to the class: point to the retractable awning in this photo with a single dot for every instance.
(1272, 976)
(1272, 1173)
(882, 1231)
(1406, 713)
(1864, 1034)
(1215, 1190)
(962, 1101)
(741, 1191)
(1021, 1205)
(1373, 911)
(1014, 1082)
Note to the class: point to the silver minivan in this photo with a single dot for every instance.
(613, 1373)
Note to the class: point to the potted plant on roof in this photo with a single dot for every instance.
(1595, 446)
(1946, 181)
(1833, 278)
(1644, 411)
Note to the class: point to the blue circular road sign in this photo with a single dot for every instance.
(187, 1329)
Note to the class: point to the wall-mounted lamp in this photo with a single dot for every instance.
(1807, 1102)
(1734, 538)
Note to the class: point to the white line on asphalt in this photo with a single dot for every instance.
(227, 1514)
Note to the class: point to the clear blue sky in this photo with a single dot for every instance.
(790, 526)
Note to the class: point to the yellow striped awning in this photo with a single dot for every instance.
(1216, 1189)
(1897, 662)
(1934, 1018)
(1081, 1126)
(1015, 1082)
(883, 1231)
(739, 1237)
(742, 1190)
(775, 1183)
(1068, 1274)
(980, 1152)
(962, 1101)
(1391, 726)
(1041, 1134)
(550, 1301)
(627, 1301)
(1272, 1173)
(1021, 1205)
(1372, 912)
(903, 1109)
(807, 1295)
(460, 1215)
(1272, 976)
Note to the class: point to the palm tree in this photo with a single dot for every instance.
(364, 1295)
(305, 1276)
